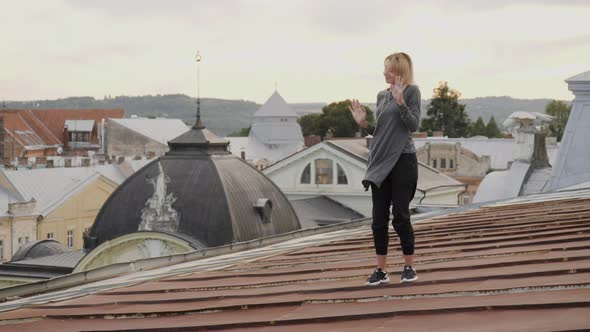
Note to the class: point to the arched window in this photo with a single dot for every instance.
(341, 175)
(306, 175)
(324, 171)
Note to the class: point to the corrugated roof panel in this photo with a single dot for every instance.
(523, 266)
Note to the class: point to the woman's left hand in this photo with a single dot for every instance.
(397, 89)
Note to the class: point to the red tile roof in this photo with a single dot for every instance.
(55, 119)
(19, 128)
(45, 127)
(520, 266)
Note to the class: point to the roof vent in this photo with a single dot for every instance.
(264, 208)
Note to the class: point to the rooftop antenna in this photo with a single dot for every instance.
(198, 124)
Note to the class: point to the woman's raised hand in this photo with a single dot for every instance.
(397, 89)
(358, 113)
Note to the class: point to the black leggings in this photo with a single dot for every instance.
(397, 190)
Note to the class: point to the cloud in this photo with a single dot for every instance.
(317, 50)
(130, 8)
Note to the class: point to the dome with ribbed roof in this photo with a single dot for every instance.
(197, 191)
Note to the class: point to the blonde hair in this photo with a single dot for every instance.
(401, 64)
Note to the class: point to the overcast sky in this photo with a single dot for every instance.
(316, 50)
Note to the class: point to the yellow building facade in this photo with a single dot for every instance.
(64, 218)
(67, 222)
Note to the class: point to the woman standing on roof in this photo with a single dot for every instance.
(392, 167)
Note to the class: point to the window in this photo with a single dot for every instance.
(451, 163)
(323, 171)
(20, 241)
(443, 163)
(70, 238)
(75, 136)
(50, 235)
(1, 249)
(434, 163)
(341, 176)
(26, 239)
(306, 175)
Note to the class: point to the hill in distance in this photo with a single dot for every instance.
(224, 116)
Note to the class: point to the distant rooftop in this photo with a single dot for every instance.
(275, 106)
(162, 130)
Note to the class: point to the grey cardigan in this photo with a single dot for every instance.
(391, 133)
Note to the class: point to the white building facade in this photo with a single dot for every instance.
(328, 169)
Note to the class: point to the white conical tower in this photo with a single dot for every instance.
(275, 133)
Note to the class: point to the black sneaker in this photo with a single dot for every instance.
(378, 277)
(409, 274)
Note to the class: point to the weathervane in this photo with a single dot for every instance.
(198, 124)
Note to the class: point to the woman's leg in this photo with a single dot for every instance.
(380, 226)
(403, 187)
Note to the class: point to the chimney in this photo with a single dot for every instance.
(368, 140)
(243, 155)
(330, 133)
(540, 158)
(65, 137)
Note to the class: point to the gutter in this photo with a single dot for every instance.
(442, 186)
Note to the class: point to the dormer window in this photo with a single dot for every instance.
(325, 171)
(79, 131)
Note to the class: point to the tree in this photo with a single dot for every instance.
(244, 132)
(478, 127)
(492, 129)
(335, 117)
(444, 113)
(561, 112)
(309, 123)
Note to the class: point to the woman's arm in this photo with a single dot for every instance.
(410, 109)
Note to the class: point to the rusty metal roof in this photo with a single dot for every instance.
(522, 265)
